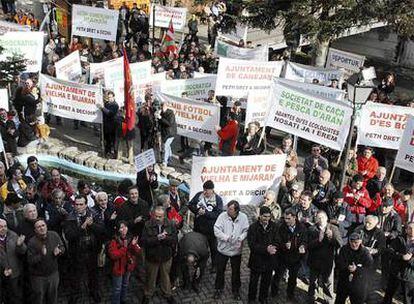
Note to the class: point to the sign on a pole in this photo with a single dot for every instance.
(144, 160)
(164, 14)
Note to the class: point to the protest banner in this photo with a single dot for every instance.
(224, 49)
(306, 73)
(27, 44)
(71, 100)
(382, 125)
(97, 70)
(193, 88)
(257, 107)
(325, 92)
(6, 27)
(405, 155)
(69, 68)
(200, 75)
(164, 14)
(194, 119)
(309, 116)
(141, 4)
(141, 76)
(236, 78)
(239, 33)
(4, 99)
(94, 22)
(144, 160)
(241, 178)
(350, 63)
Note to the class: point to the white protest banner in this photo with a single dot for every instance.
(405, 155)
(349, 62)
(97, 70)
(163, 15)
(236, 78)
(239, 33)
(141, 76)
(69, 68)
(308, 116)
(27, 44)
(306, 73)
(224, 49)
(257, 107)
(193, 88)
(71, 100)
(194, 119)
(94, 22)
(314, 89)
(144, 160)
(199, 75)
(4, 99)
(241, 178)
(12, 27)
(382, 125)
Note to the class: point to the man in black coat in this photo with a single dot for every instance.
(168, 130)
(292, 244)
(375, 184)
(135, 212)
(323, 191)
(159, 240)
(83, 230)
(353, 263)
(207, 206)
(402, 269)
(324, 240)
(110, 112)
(193, 256)
(262, 240)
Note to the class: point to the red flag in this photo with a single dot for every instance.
(129, 95)
(169, 40)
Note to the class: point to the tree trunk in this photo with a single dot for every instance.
(321, 52)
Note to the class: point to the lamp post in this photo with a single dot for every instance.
(360, 87)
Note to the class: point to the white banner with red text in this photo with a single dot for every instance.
(164, 14)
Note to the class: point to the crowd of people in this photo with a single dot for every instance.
(53, 235)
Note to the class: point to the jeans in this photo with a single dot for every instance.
(120, 287)
(167, 150)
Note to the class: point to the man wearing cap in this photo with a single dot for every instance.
(353, 263)
(357, 197)
(193, 256)
(176, 200)
(390, 224)
(262, 240)
(402, 270)
(207, 206)
(367, 164)
(314, 164)
(324, 240)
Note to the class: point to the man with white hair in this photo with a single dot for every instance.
(26, 227)
(106, 212)
(377, 183)
(288, 180)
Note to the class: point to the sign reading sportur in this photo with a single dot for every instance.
(405, 155)
(308, 116)
(350, 63)
(94, 22)
(164, 14)
(241, 178)
(382, 125)
(27, 44)
(237, 78)
(70, 99)
(194, 119)
(306, 73)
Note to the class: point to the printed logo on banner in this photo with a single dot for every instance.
(242, 178)
(144, 160)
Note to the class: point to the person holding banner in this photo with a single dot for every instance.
(250, 143)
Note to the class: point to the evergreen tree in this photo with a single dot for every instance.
(11, 67)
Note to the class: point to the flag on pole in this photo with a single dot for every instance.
(169, 40)
(129, 95)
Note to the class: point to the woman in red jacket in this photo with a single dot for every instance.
(123, 251)
(228, 136)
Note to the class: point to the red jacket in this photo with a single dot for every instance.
(357, 206)
(229, 132)
(123, 258)
(367, 164)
